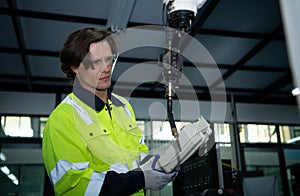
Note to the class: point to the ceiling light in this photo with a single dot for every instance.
(5, 170)
(2, 156)
(296, 91)
(12, 177)
(16, 182)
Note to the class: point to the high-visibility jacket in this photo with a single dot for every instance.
(80, 144)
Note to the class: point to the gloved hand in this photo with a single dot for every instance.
(155, 179)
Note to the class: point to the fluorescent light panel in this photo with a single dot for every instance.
(11, 176)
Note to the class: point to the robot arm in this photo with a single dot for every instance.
(180, 15)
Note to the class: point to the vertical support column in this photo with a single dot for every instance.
(282, 165)
(283, 173)
(290, 12)
(2, 133)
(236, 138)
(35, 125)
(220, 170)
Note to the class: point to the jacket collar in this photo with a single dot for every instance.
(92, 100)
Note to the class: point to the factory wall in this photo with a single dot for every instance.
(18, 103)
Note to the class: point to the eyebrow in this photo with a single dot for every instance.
(97, 60)
(100, 59)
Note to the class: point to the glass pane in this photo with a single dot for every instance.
(292, 161)
(290, 134)
(161, 130)
(22, 126)
(222, 133)
(263, 162)
(255, 133)
(223, 142)
(16, 126)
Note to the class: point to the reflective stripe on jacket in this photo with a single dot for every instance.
(80, 145)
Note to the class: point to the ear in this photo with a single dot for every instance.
(74, 69)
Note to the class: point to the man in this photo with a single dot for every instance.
(91, 143)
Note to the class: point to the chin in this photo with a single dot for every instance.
(103, 86)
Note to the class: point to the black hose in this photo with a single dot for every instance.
(171, 117)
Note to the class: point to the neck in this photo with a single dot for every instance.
(102, 94)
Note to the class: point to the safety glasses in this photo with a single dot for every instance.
(103, 62)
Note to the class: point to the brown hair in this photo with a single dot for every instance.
(77, 46)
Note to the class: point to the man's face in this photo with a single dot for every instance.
(97, 76)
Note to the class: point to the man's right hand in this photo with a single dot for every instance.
(155, 179)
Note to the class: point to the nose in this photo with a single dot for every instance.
(105, 69)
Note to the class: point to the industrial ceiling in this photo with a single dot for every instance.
(245, 38)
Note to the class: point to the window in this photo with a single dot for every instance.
(290, 134)
(16, 126)
(222, 133)
(257, 133)
(22, 126)
(263, 162)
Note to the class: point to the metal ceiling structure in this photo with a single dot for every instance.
(245, 38)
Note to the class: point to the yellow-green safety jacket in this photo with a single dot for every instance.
(81, 145)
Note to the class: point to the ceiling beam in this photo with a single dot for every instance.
(275, 86)
(89, 20)
(21, 43)
(248, 56)
(237, 34)
(57, 17)
(49, 53)
(29, 51)
(51, 16)
(200, 19)
(60, 85)
(197, 23)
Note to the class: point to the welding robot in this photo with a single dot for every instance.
(194, 136)
(179, 17)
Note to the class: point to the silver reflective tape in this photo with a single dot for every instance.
(83, 114)
(127, 111)
(62, 167)
(125, 107)
(95, 184)
(135, 164)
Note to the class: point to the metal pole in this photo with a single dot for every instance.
(236, 137)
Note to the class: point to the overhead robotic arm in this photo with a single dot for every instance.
(180, 15)
(194, 136)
